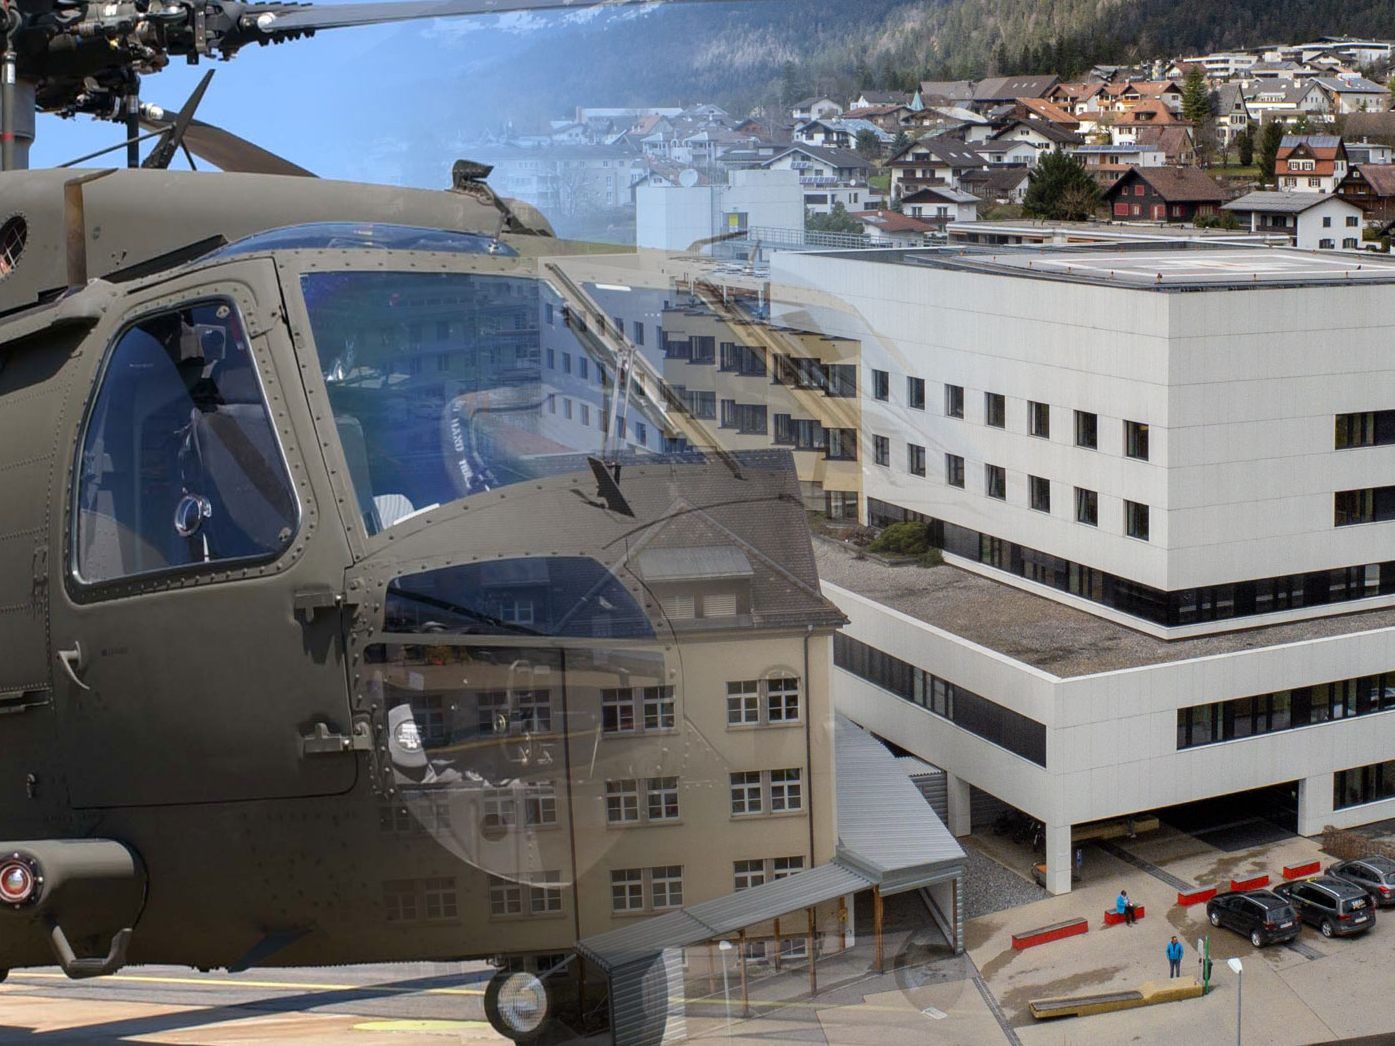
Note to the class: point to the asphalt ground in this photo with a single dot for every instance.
(401, 1004)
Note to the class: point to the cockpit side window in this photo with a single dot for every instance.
(180, 467)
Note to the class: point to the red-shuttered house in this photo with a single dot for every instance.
(1164, 194)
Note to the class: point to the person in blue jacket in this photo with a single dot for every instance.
(1174, 958)
(1123, 904)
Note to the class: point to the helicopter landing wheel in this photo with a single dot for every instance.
(519, 1006)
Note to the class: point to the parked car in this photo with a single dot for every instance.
(1375, 875)
(1261, 915)
(1336, 907)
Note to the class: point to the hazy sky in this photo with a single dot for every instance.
(363, 103)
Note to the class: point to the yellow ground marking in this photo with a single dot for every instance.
(423, 1026)
(140, 978)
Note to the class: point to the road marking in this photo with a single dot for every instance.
(934, 1014)
(133, 978)
(426, 1027)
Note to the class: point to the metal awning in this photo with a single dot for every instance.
(886, 829)
(716, 918)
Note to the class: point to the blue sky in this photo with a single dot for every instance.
(363, 103)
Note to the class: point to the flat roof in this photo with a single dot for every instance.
(1179, 266)
(1047, 634)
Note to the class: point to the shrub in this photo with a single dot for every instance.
(902, 539)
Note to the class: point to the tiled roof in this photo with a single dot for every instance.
(1380, 177)
(1177, 184)
(894, 221)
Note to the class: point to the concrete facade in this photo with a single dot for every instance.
(1238, 389)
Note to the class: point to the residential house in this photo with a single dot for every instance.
(828, 176)
(1364, 151)
(941, 204)
(890, 118)
(1107, 162)
(815, 108)
(1007, 184)
(870, 99)
(1285, 100)
(894, 227)
(1354, 94)
(932, 161)
(839, 133)
(1283, 70)
(1123, 127)
(944, 92)
(1009, 152)
(1164, 194)
(1039, 134)
(1078, 98)
(565, 181)
(1311, 220)
(1176, 141)
(1121, 97)
(1050, 112)
(997, 90)
(1231, 112)
(1219, 65)
(1310, 162)
(1371, 186)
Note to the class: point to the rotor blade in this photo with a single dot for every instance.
(337, 16)
(169, 144)
(228, 152)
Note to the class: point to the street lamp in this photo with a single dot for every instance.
(724, 947)
(1239, 971)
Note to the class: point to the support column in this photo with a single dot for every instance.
(1314, 804)
(741, 962)
(813, 957)
(957, 794)
(847, 924)
(1058, 858)
(877, 928)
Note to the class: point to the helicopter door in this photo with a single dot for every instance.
(198, 638)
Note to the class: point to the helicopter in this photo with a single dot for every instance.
(312, 615)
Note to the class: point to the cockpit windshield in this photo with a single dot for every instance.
(445, 385)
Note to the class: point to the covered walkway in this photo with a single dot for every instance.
(889, 841)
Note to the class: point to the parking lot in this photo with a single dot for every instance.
(1311, 991)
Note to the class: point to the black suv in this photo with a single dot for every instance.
(1375, 875)
(1334, 906)
(1261, 915)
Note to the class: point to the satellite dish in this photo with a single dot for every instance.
(688, 178)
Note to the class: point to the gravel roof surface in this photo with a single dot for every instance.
(1044, 633)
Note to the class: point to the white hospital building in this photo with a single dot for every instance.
(1166, 475)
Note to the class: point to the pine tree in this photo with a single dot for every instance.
(869, 146)
(1000, 59)
(1268, 151)
(837, 220)
(1196, 98)
(1245, 146)
(901, 143)
(1060, 189)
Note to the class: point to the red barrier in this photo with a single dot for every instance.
(1113, 918)
(1195, 897)
(1259, 882)
(1302, 871)
(1046, 934)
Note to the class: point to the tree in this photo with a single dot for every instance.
(900, 143)
(1245, 145)
(869, 146)
(1196, 97)
(837, 220)
(1268, 151)
(1060, 189)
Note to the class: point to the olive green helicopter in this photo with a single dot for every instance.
(276, 468)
